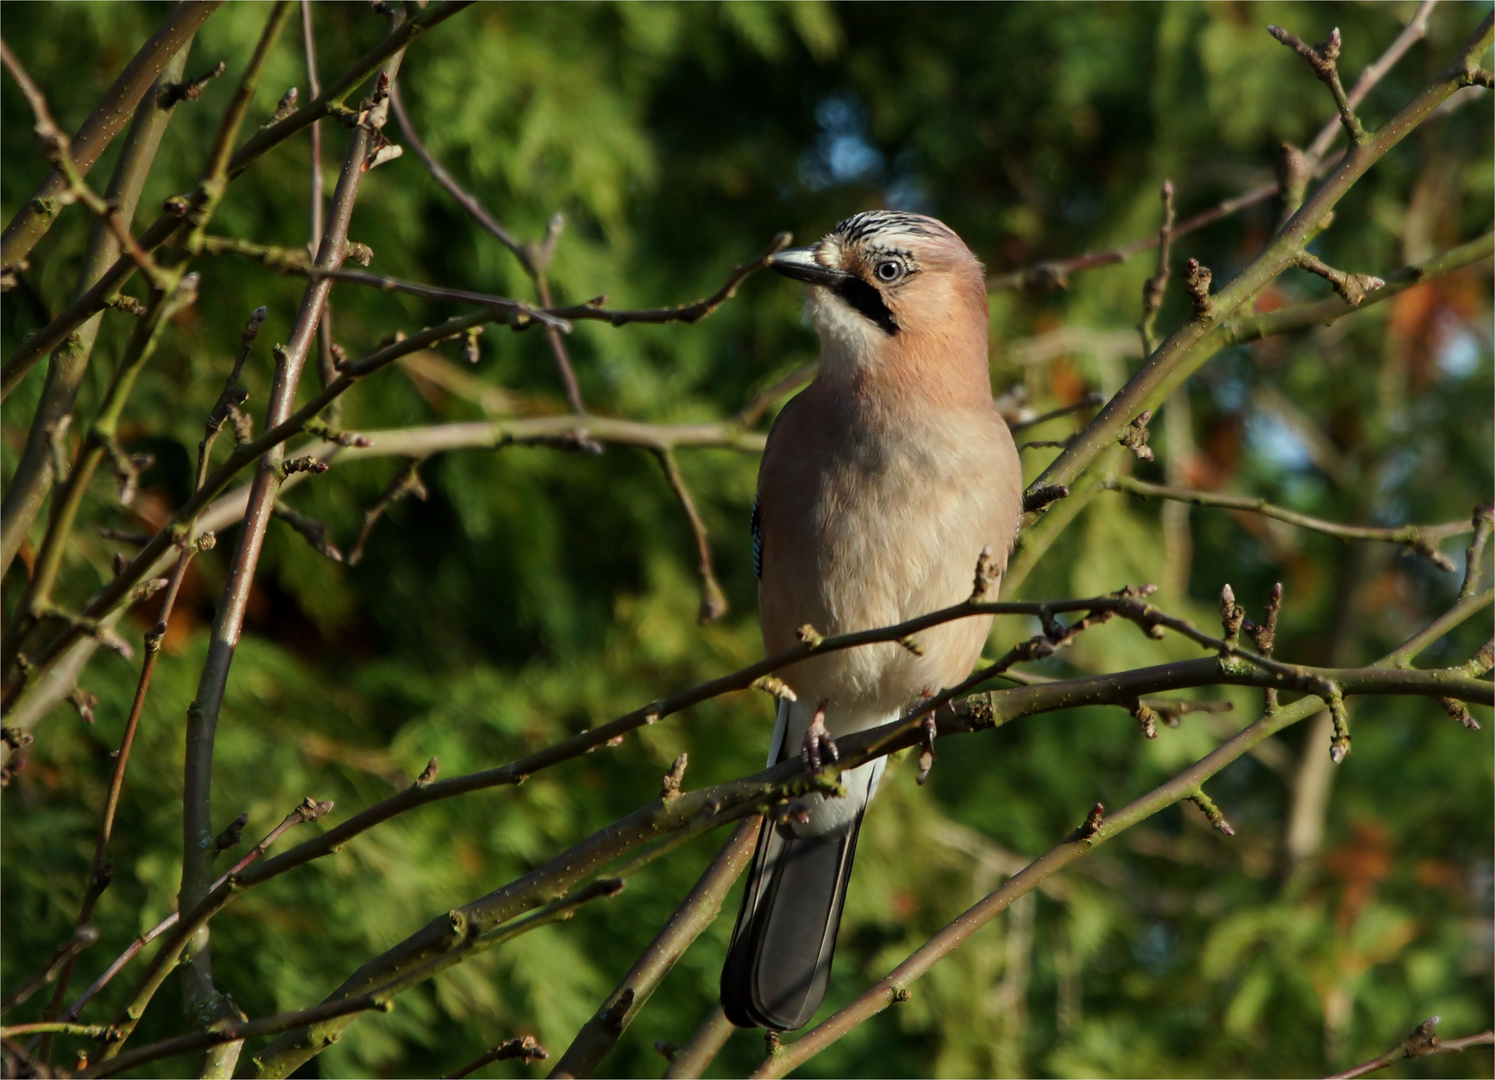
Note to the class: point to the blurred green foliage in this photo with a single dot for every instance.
(536, 592)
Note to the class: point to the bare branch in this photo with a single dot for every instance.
(81, 938)
(102, 872)
(1301, 316)
(202, 716)
(185, 929)
(57, 149)
(37, 213)
(761, 402)
(525, 1049)
(696, 912)
(1157, 285)
(309, 810)
(1352, 288)
(293, 262)
(405, 483)
(1054, 273)
(691, 1059)
(36, 603)
(1423, 1042)
(1177, 357)
(894, 987)
(37, 468)
(535, 258)
(469, 203)
(289, 261)
(311, 530)
(1483, 521)
(1089, 401)
(1413, 32)
(314, 88)
(685, 313)
(180, 209)
(1419, 539)
(713, 600)
(1322, 59)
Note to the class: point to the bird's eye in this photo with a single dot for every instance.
(889, 270)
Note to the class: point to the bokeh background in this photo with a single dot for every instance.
(535, 592)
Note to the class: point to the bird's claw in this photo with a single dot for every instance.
(818, 747)
(926, 751)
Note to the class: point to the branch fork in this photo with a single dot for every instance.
(1352, 288)
(1211, 811)
(1322, 59)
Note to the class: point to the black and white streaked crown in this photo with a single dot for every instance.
(888, 223)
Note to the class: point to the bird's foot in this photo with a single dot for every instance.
(818, 747)
(926, 749)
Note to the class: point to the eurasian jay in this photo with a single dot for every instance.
(880, 486)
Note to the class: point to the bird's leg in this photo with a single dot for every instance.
(818, 745)
(926, 750)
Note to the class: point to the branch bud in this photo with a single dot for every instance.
(1134, 438)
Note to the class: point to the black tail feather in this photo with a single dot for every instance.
(779, 961)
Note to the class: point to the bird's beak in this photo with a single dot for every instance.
(800, 264)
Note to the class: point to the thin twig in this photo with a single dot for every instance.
(1483, 520)
(442, 940)
(685, 313)
(36, 215)
(524, 1048)
(405, 483)
(215, 173)
(1179, 356)
(293, 262)
(171, 220)
(1157, 285)
(202, 715)
(102, 872)
(552, 333)
(37, 467)
(1284, 320)
(1089, 401)
(307, 811)
(894, 987)
(713, 600)
(1419, 539)
(56, 147)
(534, 258)
(82, 938)
(36, 604)
(186, 928)
(1322, 60)
(469, 203)
(1055, 273)
(690, 1060)
(763, 400)
(696, 912)
(54, 1027)
(1413, 32)
(1423, 1042)
(314, 88)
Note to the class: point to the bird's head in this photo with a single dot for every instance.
(886, 279)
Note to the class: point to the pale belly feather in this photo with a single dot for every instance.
(889, 543)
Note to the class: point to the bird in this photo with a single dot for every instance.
(882, 483)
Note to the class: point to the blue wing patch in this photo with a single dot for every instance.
(757, 527)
